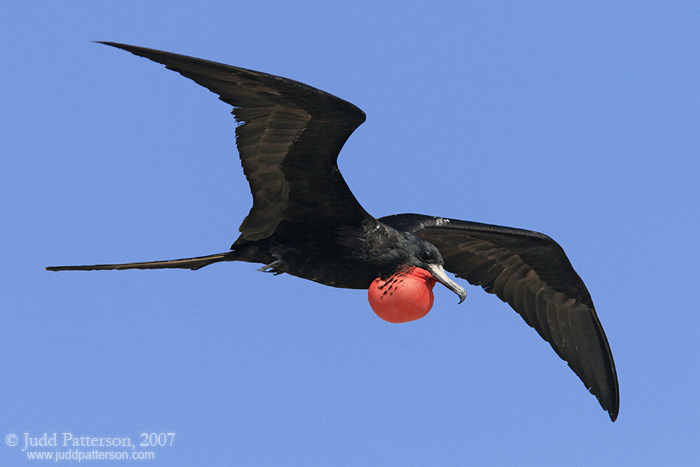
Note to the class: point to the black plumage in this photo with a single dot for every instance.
(305, 221)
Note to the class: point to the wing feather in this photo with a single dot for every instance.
(289, 136)
(530, 272)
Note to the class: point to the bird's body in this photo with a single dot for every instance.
(306, 222)
(349, 257)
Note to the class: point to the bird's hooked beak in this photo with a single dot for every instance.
(438, 273)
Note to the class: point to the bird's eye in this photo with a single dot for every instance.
(425, 255)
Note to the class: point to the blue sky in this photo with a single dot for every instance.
(578, 121)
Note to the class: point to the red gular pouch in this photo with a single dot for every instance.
(405, 296)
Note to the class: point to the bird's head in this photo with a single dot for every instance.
(407, 294)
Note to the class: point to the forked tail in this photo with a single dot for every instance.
(185, 263)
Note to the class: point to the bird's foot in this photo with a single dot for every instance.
(272, 267)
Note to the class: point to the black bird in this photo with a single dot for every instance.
(306, 222)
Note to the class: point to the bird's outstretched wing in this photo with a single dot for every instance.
(531, 272)
(289, 137)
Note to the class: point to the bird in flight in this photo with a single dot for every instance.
(306, 222)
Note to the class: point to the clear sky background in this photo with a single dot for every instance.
(582, 122)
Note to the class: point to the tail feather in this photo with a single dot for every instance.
(185, 263)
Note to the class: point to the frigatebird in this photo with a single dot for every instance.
(306, 222)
